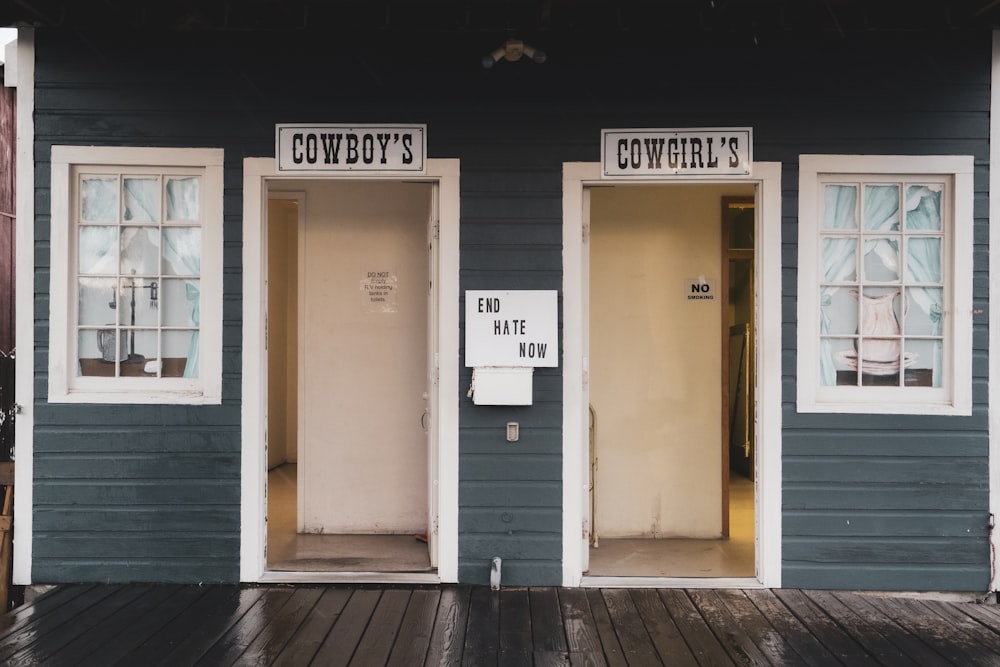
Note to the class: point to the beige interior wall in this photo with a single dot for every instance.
(655, 360)
(282, 271)
(363, 454)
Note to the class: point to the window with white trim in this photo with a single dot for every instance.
(136, 284)
(885, 284)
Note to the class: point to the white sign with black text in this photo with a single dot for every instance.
(351, 149)
(699, 289)
(511, 328)
(650, 153)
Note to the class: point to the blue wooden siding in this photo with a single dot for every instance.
(152, 493)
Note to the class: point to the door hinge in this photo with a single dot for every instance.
(434, 526)
(585, 532)
(586, 232)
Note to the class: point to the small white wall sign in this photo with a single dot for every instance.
(511, 328)
(649, 153)
(378, 292)
(351, 149)
(699, 289)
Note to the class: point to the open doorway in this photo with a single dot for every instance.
(348, 352)
(666, 378)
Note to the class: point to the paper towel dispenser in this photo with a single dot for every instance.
(496, 385)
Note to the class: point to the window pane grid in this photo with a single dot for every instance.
(133, 230)
(891, 266)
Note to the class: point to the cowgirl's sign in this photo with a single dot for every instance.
(652, 153)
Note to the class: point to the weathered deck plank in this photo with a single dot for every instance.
(482, 638)
(579, 628)
(947, 638)
(635, 641)
(63, 629)
(666, 637)
(516, 646)
(909, 643)
(741, 630)
(860, 629)
(697, 632)
(833, 641)
(415, 634)
(235, 641)
(150, 612)
(605, 630)
(383, 626)
(793, 633)
(266, 647)
(192, 646)
(338, 647)
(453, 625)
(310, 635)
(450, 625)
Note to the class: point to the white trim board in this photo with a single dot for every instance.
(767, 177)
(994, 318)
(24, 390)
(256, 173)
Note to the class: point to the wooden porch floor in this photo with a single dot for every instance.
(468, 625)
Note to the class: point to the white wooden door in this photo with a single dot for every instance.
(363, 359)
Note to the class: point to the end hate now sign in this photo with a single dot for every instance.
(511, 328)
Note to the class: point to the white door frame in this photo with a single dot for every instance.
(577, 176)
(994, 305)
(256, 173)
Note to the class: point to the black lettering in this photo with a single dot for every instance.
(734, 159)
(297, 148)
(383, 142)
(696, 160)
(622, 157)
(312, 148)
(654, 151)
(407, 148)
(331, 146)
(635, 153)
(673, 156)
(352, 149)
(368, 148)
(532, 350)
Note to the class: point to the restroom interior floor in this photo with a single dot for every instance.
(686, 557)
(289, 551)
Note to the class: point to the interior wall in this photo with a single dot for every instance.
(655, 359)
(363, 455)
(282, 342)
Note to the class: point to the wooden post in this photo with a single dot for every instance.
(6, 533)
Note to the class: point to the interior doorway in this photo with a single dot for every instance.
(665, 380)
(349, 344)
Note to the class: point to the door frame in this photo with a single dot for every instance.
(257, 172)
(577, 178)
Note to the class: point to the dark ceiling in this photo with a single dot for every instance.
(666, 19)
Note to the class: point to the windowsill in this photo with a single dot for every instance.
(172, 367)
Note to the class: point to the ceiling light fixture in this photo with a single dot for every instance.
(512, 50)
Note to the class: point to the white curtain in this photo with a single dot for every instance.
(182, 250)
(923, 261)
(881, 213)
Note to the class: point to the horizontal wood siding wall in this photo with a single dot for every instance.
(153, 492)
(897, 501)
(136, 492)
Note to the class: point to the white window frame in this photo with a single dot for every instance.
(65, 386)
(954, 397)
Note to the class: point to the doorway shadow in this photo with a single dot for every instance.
(713, 558)
(291, 551)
